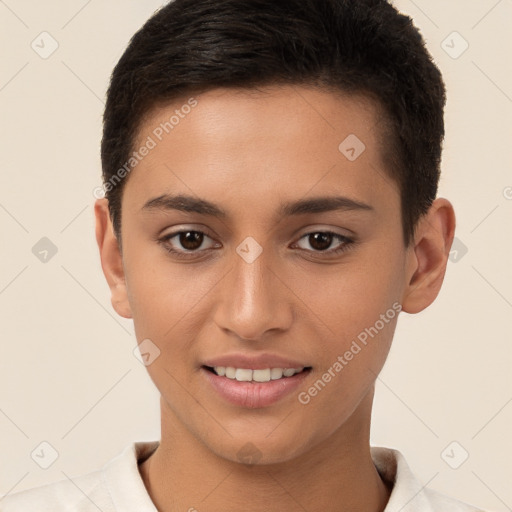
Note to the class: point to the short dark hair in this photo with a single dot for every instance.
(361, 47)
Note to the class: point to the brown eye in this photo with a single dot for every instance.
(191, 240)
(187, 243)
(320, 241)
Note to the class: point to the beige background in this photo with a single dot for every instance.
(68, 375)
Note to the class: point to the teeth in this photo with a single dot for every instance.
(261, 375)
(276, 373)
(248, 375)
(243, 375)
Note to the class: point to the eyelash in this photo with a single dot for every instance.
(347, 243)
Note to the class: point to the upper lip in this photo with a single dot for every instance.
(254, 362)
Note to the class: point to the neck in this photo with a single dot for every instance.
(336, 475)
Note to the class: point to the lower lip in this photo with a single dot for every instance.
(253, 395)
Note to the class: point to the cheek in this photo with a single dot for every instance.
(345, 299)
(348, 369)
(357, 308)
(164, 296)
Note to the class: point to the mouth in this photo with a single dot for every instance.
(260, 375)
(254, 388)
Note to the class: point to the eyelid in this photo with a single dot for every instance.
(180, 230)
(323, 228)
(205, 231)
(346, 243)
(326, 232)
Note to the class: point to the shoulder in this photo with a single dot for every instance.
(440, 501)
(408, 494)
(81, 494)
(116, 486)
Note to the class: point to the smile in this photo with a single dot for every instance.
(259, 375)
(241, 387)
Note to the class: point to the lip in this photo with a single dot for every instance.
(255, 362)
(254, 395)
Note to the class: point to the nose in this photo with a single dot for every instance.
(254, 302)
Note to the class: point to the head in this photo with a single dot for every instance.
(259, 111)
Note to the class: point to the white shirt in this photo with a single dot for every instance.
(118, 487)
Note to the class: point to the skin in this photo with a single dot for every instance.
(247, 152)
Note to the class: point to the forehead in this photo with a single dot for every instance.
(238, 144)
(288, 110)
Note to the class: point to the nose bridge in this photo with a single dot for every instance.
(253, 302)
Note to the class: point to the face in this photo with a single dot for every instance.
(285, 251)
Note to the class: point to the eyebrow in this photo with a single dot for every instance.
(190, 204)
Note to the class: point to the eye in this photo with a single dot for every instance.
(189, 242)
(320, 241)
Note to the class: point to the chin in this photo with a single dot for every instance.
(260, 448)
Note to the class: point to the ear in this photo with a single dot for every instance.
(111, 259)
(428, 256)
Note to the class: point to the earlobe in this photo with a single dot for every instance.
(427, 259)
(111, 259)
